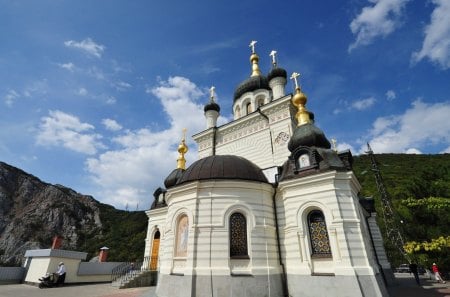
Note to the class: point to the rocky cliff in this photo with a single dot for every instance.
(32, 212)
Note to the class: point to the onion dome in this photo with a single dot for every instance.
(223, 167)
(276, 72)
(212, 105)
(251, 84)
(308, 135)
(256, 81)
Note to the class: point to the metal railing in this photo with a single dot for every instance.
(129, 270)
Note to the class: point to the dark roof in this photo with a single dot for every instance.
(276, 72)
(212, 106)
(173, 177)
(223, 167)
(251, 84)
(308, 135)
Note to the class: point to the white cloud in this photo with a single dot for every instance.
(10, 97)
(88, 46)
(413, 151)
(144, 158)
(66, 130)
(436, 45)
(111, 125)
(363, 103)
(381, 19)
(68, 66)
(337, 111)
(111, 100)
(122, 86)
(390, 95)
(344, 146)
(420, 127)
(82, 92)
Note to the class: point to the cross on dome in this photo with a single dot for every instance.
(334, 141)
(252, 45)
(211, 92)
(273, 55)
(294, 78)
(184, 134)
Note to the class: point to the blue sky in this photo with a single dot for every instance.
(94, 94)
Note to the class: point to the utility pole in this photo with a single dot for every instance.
(391, 222)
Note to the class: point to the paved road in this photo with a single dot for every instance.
(406, 288)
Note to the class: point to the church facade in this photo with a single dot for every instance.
(268, 209)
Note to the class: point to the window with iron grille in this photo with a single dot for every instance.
(318, 234)
(238, 236)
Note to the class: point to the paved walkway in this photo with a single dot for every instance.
(98, 290)
(406, 287)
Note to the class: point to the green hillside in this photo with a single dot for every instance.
(123, 232)
(419, 188)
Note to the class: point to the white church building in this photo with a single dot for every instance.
(270, 208)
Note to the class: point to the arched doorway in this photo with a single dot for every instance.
(155, 251)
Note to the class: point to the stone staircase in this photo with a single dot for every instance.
(136, 278)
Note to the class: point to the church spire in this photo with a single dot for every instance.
(299, 100)
(182, 149)
(254, 59)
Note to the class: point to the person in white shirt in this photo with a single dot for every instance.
(61, 273)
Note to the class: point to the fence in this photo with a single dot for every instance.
(11, 275)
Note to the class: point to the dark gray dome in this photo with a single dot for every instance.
(223, 167)
(212, 106)
(173, 177)
(308, 135)
(251, 84)
(276, 72)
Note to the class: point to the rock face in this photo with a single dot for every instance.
(33, 212)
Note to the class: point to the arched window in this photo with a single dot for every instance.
(249, 108)
(182, 236)
(238, 236)
(320, 244)
(238, 112)
(260, 102)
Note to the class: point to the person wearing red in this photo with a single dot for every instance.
(437, 275)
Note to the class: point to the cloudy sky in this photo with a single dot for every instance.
(94, 94)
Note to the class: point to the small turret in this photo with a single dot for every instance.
(212, 111)
(306, 134)
(277, 78)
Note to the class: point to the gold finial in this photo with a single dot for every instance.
(182, 149)
(254, 59)
(211, 92)
(333, 141)
(274, 60)
(299, 100)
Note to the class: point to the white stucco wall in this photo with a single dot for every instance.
(257, 138)
(352, 262)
